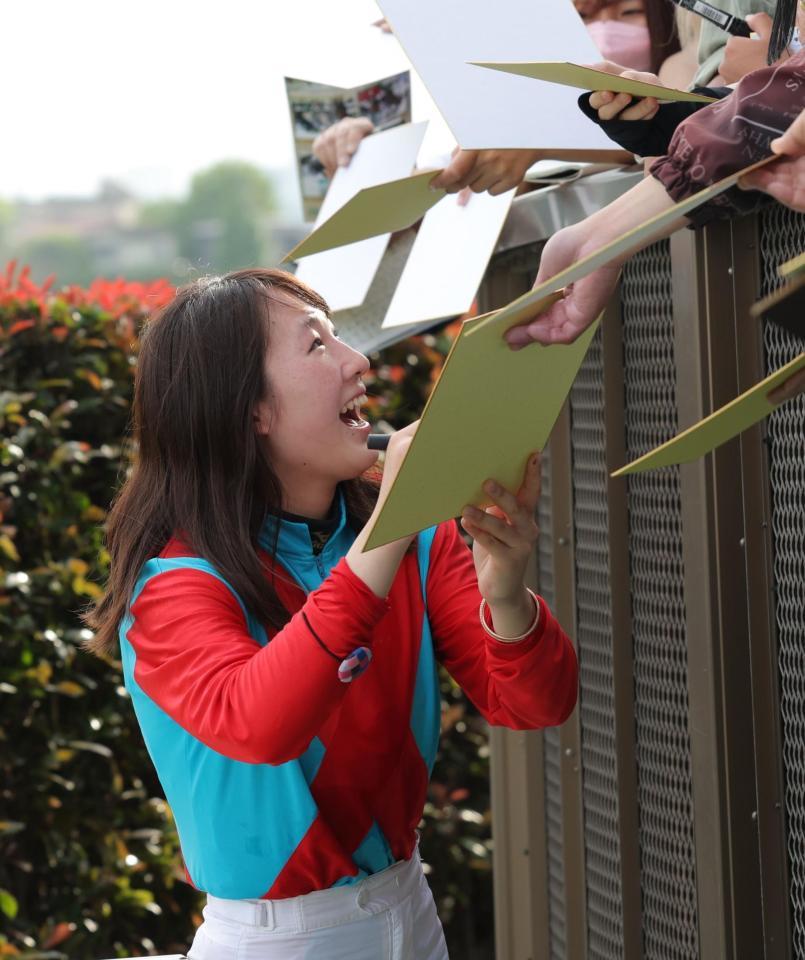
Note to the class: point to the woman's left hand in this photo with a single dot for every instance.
(504, 535)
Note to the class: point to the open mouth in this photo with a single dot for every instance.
(351, 413)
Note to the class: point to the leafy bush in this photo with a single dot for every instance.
(89, 859)
(87, 847)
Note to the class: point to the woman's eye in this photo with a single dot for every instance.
(317, 342)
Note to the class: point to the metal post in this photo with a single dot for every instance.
(621, 619)
(570, 732)
(763, 653)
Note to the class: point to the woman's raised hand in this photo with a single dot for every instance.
(504, 535)
(399, 443)
(378, 567)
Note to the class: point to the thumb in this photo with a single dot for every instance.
(760, 24)
(793, 140)
(458, 168)
(529, 492)
(607, 66)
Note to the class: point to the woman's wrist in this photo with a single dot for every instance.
(377, 568)
(512, 619)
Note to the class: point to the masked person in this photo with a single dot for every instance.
(636, 34)
(645, 126)
(722, 138)
(284, 679)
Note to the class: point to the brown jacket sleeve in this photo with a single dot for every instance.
(732, 134)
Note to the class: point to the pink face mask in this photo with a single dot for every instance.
(626, 44)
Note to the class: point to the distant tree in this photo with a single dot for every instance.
(219, 225)
(68, 257)
(160, 214)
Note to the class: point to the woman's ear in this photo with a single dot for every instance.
(262, 419)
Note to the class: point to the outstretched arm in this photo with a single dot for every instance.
(711, 144)
(586, 298)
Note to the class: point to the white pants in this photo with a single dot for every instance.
(388, 916)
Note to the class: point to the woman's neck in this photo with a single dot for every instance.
(309, 503)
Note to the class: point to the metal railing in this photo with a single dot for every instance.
(666, 818)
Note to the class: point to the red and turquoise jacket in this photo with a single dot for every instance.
(281, 778)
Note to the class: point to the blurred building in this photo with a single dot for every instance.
(115, 233)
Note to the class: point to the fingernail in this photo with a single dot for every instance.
(491, 487)
(470, 512)
(535, 460)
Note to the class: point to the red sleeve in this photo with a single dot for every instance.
(724, 137)
(525, 685)
(196, 659)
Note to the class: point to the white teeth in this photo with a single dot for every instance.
(353, 404)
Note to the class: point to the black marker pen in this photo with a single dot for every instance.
(733, 25)
(378, 441)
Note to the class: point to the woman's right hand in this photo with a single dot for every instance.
(395, 454)
(611, 105)
(378, 567)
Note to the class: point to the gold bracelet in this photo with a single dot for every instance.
(522, 636)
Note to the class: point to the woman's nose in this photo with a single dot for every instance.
(355, 364)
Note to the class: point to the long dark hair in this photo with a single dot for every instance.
(662, 31)
(200, 470)
(782, 29)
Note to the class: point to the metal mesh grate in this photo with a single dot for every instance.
(594, 639)
(553, 818)
(552, 750)
(668, 876)
(783, 237)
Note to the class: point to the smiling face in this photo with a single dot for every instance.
(310, 419)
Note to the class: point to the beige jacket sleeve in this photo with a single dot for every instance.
(712, 40)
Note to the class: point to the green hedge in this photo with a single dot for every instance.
(89, 862)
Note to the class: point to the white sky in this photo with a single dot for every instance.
(148, 93)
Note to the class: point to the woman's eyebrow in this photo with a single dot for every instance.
(317, 316)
